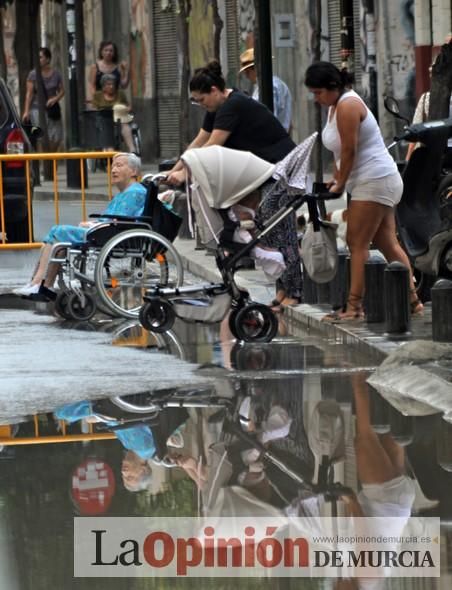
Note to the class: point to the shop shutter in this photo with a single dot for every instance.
(166, 79)
(334, 30)
(231, 29)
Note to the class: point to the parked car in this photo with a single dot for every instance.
(14, 139)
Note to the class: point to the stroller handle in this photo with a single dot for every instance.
(325, 196)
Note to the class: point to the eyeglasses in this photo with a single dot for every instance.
(195, 101)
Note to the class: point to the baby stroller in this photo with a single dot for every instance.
(220, 178)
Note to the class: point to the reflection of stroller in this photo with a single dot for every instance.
(215, 188)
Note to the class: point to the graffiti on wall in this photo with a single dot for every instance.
(247, 17)
(368, 52)
(200, 32)
(402, 51)
(140, 71)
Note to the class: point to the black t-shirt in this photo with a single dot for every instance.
(253, 127)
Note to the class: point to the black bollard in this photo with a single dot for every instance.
(339, 285)
(309, 289)
(443, 436)
(402, 427)
(442, 311)
(379, 413)
(323, 292)
(374, 281)
(397, 300)
(73, 172)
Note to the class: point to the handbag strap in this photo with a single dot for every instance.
(313, 214)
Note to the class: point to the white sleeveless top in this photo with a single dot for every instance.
(372, 159)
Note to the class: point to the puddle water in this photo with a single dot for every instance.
(285, 416)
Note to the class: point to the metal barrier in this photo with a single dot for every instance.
(6, 438)
(54, 157)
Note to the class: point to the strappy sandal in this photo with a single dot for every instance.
(416, 305)
(353, 312)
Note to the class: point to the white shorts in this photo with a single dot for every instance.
(386, 190)
(391, 498)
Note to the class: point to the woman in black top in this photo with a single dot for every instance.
(237, 121)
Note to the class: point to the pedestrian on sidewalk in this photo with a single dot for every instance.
(53, 92)
(112, 98)
(365, 168)
(129, 201)
(282, 99)
(107, 63)
(235, 120)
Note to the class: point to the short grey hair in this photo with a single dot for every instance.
(107, 78)
(133, 161)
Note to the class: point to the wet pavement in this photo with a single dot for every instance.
(272, 393)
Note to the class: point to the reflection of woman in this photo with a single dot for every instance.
(107, 98)
(365, 168)
(108, 63)
(53, 90)
(386, 490)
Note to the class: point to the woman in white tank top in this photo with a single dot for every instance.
(364, 167)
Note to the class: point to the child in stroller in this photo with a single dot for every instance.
(228, 182)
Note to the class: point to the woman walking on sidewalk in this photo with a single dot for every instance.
(365, 168)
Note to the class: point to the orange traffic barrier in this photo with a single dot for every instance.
(54, 157)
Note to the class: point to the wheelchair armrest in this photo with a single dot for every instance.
(122, 217)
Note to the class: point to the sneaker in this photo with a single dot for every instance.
(176, 440)
(27, 290)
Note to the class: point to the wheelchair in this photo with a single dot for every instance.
(119, 260)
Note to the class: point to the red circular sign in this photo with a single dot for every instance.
(93, 486)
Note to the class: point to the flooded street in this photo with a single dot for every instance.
(290, 427)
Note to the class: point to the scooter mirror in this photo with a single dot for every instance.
(392, 106)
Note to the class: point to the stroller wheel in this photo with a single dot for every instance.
(157, 316)
(61, 305)
(231, 321)
(79, 310)
(255, 323)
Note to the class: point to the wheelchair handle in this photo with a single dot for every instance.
(149, 177)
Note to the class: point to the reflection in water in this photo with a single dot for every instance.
(288, 428)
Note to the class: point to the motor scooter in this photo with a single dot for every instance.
(424, 214)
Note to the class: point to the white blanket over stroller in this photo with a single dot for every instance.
(222, 177)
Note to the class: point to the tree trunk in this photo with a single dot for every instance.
(3, 69)
(22, 46)
(183, 39)
(80, 66)
(441, 86)
(218, 27)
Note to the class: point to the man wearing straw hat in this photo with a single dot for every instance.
(282, 99)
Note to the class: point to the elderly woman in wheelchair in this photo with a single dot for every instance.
(109, 261)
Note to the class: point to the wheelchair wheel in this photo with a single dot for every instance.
(255, 323)
(61, 305)
(81, 311)
(131, 263)
(157, 316)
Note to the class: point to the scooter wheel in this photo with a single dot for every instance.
(256, 323)
(157, 316)
(61, 305)
(81, 310)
